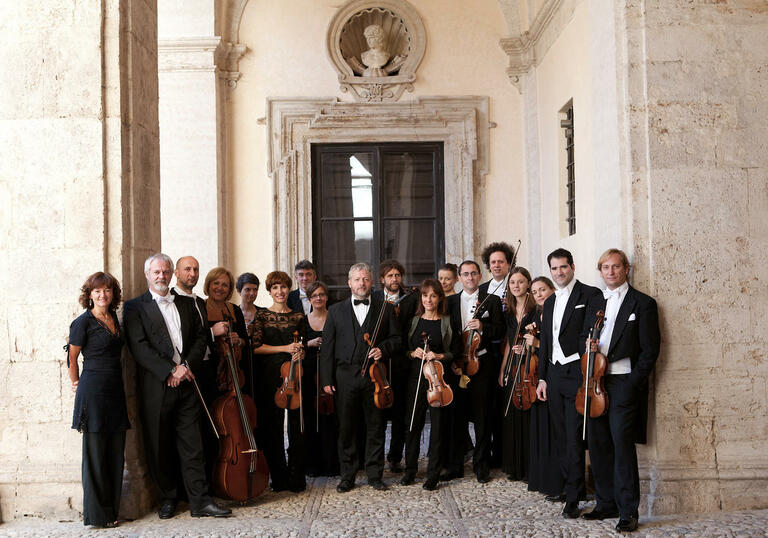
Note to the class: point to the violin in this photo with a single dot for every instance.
(531, 368)
(523, 393)
(240, 472)
(323, 401)
(439, 394)
(383, 397)
(288, 395)
(591, 399)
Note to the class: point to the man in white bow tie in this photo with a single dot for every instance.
(560, 372)
(630, 341)
(165, 334)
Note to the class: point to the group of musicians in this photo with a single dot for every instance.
(341, 373)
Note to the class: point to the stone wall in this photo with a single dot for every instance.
(78, 193)
(697, 83)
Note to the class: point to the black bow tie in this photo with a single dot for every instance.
(361, 301)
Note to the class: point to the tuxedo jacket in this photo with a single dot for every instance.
(294, 301)
(490, 315)
(571, 326)
(151, 346)
(343, 345)
(635, 335)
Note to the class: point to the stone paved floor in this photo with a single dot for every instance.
(463, 508)
(460, 508)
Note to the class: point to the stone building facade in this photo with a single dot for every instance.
(134, 125)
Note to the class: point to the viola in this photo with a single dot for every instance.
(439, 394)
(383, 396)
(288, 395)
(531, 368)
(240, 472)
(526, 379)
(591, 399)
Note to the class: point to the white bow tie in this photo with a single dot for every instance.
(607, 294)
(165, 299)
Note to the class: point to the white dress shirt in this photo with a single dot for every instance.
(614, 298)
(172, 322)
(361, 310)
(561, 299)
(306, 304)
(203, 319)
(392, 298)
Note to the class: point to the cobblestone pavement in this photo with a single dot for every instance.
(462, 508)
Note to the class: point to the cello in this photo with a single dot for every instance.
(240, 472)
(591, 398)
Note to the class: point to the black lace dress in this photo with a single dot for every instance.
(277, 329)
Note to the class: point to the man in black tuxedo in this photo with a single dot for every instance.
(305, 273)
(488, 320)
(164, 332)
(391, 273)
(497, 258)
(630, 341)
(342, 357)
(562, 324)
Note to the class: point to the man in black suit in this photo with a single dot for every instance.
(305, 273)
(497, 258)
(341, 362)
(562, 324)
(164, 332)
(488, 320)
(630, 341)
(391, 273)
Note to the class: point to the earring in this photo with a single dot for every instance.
(90, 303)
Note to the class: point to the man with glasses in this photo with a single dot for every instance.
(474, 310)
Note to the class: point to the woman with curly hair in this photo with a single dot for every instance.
(100, 413)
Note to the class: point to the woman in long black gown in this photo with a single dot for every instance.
(273, 335)
(444, 346)
(100, 413)
(516, 423)
(543, 471)
(321, 430)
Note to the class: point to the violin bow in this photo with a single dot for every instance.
(425, 336)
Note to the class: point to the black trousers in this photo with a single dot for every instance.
(562, 383)
(612, 448)
(437, 434)
(397, 413)
(353, 393)
(103, 459)
(498, 395)
(178, 435)
(477, 402)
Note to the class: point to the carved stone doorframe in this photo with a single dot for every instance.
(460, 123)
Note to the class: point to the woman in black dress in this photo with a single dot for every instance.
(516, 423)
(543, 470)
(273, 334)
(444, 346)
(321, 431)
(100, 413)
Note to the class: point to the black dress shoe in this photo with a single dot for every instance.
(395, 467)
(408, 478)
(447, 476)
(430, 484)
(345, 486)
(627, 525)
(599, 514)
(556, 498)
(167, 510)
(483, 478)
(377, 484)
(211, 510)
(571, 510)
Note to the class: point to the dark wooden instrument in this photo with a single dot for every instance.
(383, 396)
(439, 394)
(240, 472)
(288, 395)
(523, 391)
(324, 402)
(591, 399)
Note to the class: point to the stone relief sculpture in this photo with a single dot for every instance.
(375, 48)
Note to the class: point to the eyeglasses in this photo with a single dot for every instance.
(473, 273)
(318, 296)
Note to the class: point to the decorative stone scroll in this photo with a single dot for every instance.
(375, 48)
(460, 123)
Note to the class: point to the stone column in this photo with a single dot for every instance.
(192, 194)
(698, 89)
(79, 188)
